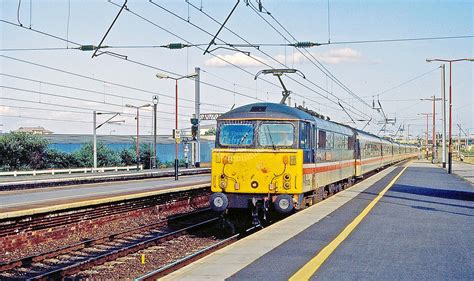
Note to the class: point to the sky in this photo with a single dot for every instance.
(59, 88)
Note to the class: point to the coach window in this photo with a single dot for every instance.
(329, 140)
(350, 144)
(322, 139)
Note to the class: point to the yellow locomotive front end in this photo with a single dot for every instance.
(242, 178)
(256, 164)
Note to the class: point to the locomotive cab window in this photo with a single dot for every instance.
(236, 134)
(276, 134)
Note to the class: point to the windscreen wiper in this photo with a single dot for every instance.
(243, 138)
(271, 139)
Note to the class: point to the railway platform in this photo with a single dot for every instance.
(19, 182)
(18, 203)
(410, 221)
(464, 170)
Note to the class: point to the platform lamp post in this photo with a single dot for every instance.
(427, 128)
(155, 105)
(175, 131)
(138, 130)
(95, 127)
(450, 140)
(434, 148)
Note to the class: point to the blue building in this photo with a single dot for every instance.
(165, 144)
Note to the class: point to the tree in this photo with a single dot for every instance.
(22, 151)
(128, 157)
(106, 157)
(211, 132)
(58, 159)
(145, 156)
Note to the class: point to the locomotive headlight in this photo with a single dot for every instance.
(254, 184)
(287, 177)
(286, 185)
(223, 184)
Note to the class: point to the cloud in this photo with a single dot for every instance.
(238, 59)
(5, 109)
(334, 56)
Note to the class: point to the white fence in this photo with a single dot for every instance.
(70, 171)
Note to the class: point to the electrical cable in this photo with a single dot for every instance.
(85, 90)
(163, 29)
(34, 49)
(404, 83)
(76, 98)
(90, 109)
(213, 19)
(98, 80)
(325, 71)
(18, 13)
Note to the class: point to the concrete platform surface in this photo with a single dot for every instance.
(420, 229)
(464, 170)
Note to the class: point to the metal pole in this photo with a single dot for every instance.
(94, 118)
(443, 93)
(176, 163)
(197, 111)
(459, 142)
(408, 133)
(443, 98)
(154, 135)
(427, 157)
(433, 152)
(450, 149)
(138, 141)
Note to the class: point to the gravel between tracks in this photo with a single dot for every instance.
(114, 226)
(130, 267)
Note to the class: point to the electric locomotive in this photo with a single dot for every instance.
(271, 156)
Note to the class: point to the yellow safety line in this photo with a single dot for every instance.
(313, 265)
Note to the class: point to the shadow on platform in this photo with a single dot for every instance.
(434, 192)
(431, 192)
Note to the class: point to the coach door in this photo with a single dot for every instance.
(306, 142)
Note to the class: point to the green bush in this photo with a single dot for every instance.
(128, 157)
(22, 151)
(105, 156)
(54, 159)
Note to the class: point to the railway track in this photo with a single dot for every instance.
(72, 259)
(79, 257)
(175, 265)
(59, 218)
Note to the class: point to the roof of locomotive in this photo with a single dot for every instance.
(265, 110)
(281, 111)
